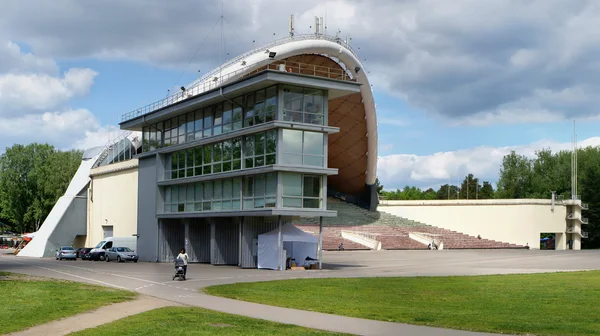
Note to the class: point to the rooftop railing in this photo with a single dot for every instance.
(216, 82)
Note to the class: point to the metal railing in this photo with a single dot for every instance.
(584, 220)
(584, 234)
(299, 37)
(216, 82)
(110, 147)
(584, 206)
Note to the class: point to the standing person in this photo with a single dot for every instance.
(184, 256)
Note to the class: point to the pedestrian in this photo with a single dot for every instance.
(184, 256)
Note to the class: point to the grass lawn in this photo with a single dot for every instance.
(540, 304)
(28, 301)
(194, 321)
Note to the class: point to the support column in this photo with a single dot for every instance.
(186, 239)
(279, 244)
(241, 236)
(321, 242)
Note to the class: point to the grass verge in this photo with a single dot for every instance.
(540, 304)
(194, 321)
(29, 301)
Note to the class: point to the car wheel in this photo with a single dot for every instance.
(107, 259)
(135, 261)
(119, 259)
(101, 257)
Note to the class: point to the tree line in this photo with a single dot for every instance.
(523, 177)
(32, 179)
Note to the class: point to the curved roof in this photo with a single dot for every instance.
(342, 56)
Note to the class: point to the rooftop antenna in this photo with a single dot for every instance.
(321, 25)
(574, 165)
(316, 26)
(292, 25)
(222, 46)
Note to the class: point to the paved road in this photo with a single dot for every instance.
(155, 279)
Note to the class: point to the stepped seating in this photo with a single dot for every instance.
(392, 231)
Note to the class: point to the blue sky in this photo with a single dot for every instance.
(457, 84)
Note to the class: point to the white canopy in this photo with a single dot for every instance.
(297, 243)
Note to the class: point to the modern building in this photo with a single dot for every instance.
(252, 145)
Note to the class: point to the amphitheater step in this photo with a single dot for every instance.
(390, 230)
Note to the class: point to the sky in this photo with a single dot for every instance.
(457, 84)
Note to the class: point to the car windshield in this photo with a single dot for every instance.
(100, 244)
(124, 249)
(67, 248)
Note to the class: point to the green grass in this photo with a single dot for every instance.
(29, 301)
(540, 304)
(194, 321)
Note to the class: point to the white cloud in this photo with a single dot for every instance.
(15, 61)
(398, 170)
(20, 92)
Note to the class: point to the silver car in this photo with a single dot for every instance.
(66, 252)
(121, 254)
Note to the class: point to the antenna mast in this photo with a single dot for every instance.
(292, 25)
(222, 44)
(574, 165)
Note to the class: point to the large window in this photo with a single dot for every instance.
(303, 148)
(219, 157)
(260, 191)
(302, 191)
(303, 105)
(219, 195)
(244, 111)
(260, 149)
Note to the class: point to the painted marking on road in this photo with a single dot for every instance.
(206, 279)
(80, 277)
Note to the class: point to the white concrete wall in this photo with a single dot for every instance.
(512, 221)
(112, 200)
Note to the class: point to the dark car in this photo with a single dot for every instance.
(84, 253)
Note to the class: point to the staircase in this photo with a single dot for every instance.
(392, 231)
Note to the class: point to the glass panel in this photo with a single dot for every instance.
(270, 160)
(190, 126)
(237, 164)
(181, 157)
(259, 203)
(292, 202)
(226, 166)
(249, 115)
(313, 100)
(198, 206)
(259, 144)
(292, 141)
(312, 186)
(174, 208)
(180, 207)
(207, 154)
(206, 206)
(216, 206)
(217, 151)
(313, 161)
(259, 186)
(235, 205)
(207, 122)
(292, 159)
(174, 161)
(226, 205)
(292, 98)
(313, 143)
(270, 202)
(190, 193)
(248, 146)
(271, 184)
(292, 184)
(249, 203)
(145, 139)
(312, 203)
(248, 186)
(218, 119)
(227, 112)
(237, 113)
(271, 104)
(198, 156)
(227, 148)
(259, 161)
(182, 129)
(237, 148)
(198, 120)
(271, 141)
(181, 173)
(227, 189)
(236, 187)
(218, 190)
(198, 191)
(208, 190)
(181, 194)
(168, 195)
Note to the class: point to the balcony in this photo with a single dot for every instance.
(580, 232)
(584, 220)
(220, 80)
(572, 216)
(584, 206)
(584, 234)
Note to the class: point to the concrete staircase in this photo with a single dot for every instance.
(392, 231)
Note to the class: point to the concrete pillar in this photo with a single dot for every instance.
(561, 241)
(186, 242)
(576, 241)
(321, 242)
(279, 245)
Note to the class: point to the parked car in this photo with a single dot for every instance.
(84, 253)
(121, 254)
(66, 252)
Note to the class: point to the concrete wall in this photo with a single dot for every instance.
(512, 221)
(147, 225)
(112, 201)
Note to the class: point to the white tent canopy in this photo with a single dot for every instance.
(297, 243)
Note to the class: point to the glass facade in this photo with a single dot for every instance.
(224, 156)
(302, 191)
(303, 105)
(244, 111)
(218, 195)
(303, 148)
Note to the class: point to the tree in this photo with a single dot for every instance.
(378, 186)
(590, 194)
(446, 192)
(32, 178)
(515, 177)
(469, 187)
(486, 191)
